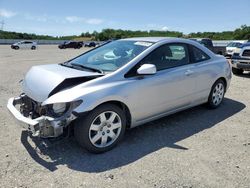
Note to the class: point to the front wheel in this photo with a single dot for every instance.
(33, 48)
(101, 129)
(216, 94)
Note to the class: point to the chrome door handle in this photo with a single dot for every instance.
(189, 72)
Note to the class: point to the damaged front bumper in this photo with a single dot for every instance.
(42, 126)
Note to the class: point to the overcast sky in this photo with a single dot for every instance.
(60, 17)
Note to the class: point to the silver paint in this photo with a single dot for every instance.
(147, 98)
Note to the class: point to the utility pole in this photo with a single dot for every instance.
(2, 25)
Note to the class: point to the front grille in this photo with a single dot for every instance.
(246, 53)
(245, 63)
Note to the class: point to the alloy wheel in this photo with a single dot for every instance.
(218, 94)
(105, 129)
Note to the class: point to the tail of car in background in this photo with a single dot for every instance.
(221, 50)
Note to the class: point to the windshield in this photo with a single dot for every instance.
(234, 44)
(111, 56)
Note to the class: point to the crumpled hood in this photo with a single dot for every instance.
(40, 81)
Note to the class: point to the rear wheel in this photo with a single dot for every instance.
(237, 71)
(101, 129)
(16, 47)
(216, 94)
(33, 48)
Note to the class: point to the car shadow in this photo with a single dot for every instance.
(137, 143)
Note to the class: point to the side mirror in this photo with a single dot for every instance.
(146, 69)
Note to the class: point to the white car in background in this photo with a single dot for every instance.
(24, 45)
(241, 61)
(231, 47)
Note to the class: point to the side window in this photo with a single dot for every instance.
(198, 55)
(168, 56)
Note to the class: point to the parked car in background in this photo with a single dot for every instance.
(90, 44)
(117, 86)
(239, 48)
(71, 44)
(241, 61)
(231, 47)
(24, 45)
(221, 50)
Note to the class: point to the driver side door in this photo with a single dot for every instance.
(170, 88)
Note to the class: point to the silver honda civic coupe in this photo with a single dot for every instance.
(119, 85)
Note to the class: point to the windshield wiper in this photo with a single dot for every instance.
(66, 64)
(90, 68)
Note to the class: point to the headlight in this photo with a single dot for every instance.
(59, 108)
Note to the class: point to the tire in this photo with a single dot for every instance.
(216, 95)
(92, 130)
(16, 48)
(33, 48)
(237, 71)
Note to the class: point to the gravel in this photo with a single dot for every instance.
(194, 148)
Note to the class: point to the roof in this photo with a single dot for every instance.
(149, 39)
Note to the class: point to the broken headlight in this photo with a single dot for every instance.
(59, 109)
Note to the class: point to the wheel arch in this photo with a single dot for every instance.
(223, 79)
(117, 103)
(122, 106)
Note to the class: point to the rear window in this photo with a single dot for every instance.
(198, 55)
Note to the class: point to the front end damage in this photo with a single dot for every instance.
(44, 121)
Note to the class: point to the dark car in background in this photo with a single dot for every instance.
(71, 44)
(221, 50)
(89, 44)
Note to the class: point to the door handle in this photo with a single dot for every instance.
(189, 72)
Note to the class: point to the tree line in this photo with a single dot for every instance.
(242, 33)
(28, 36)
